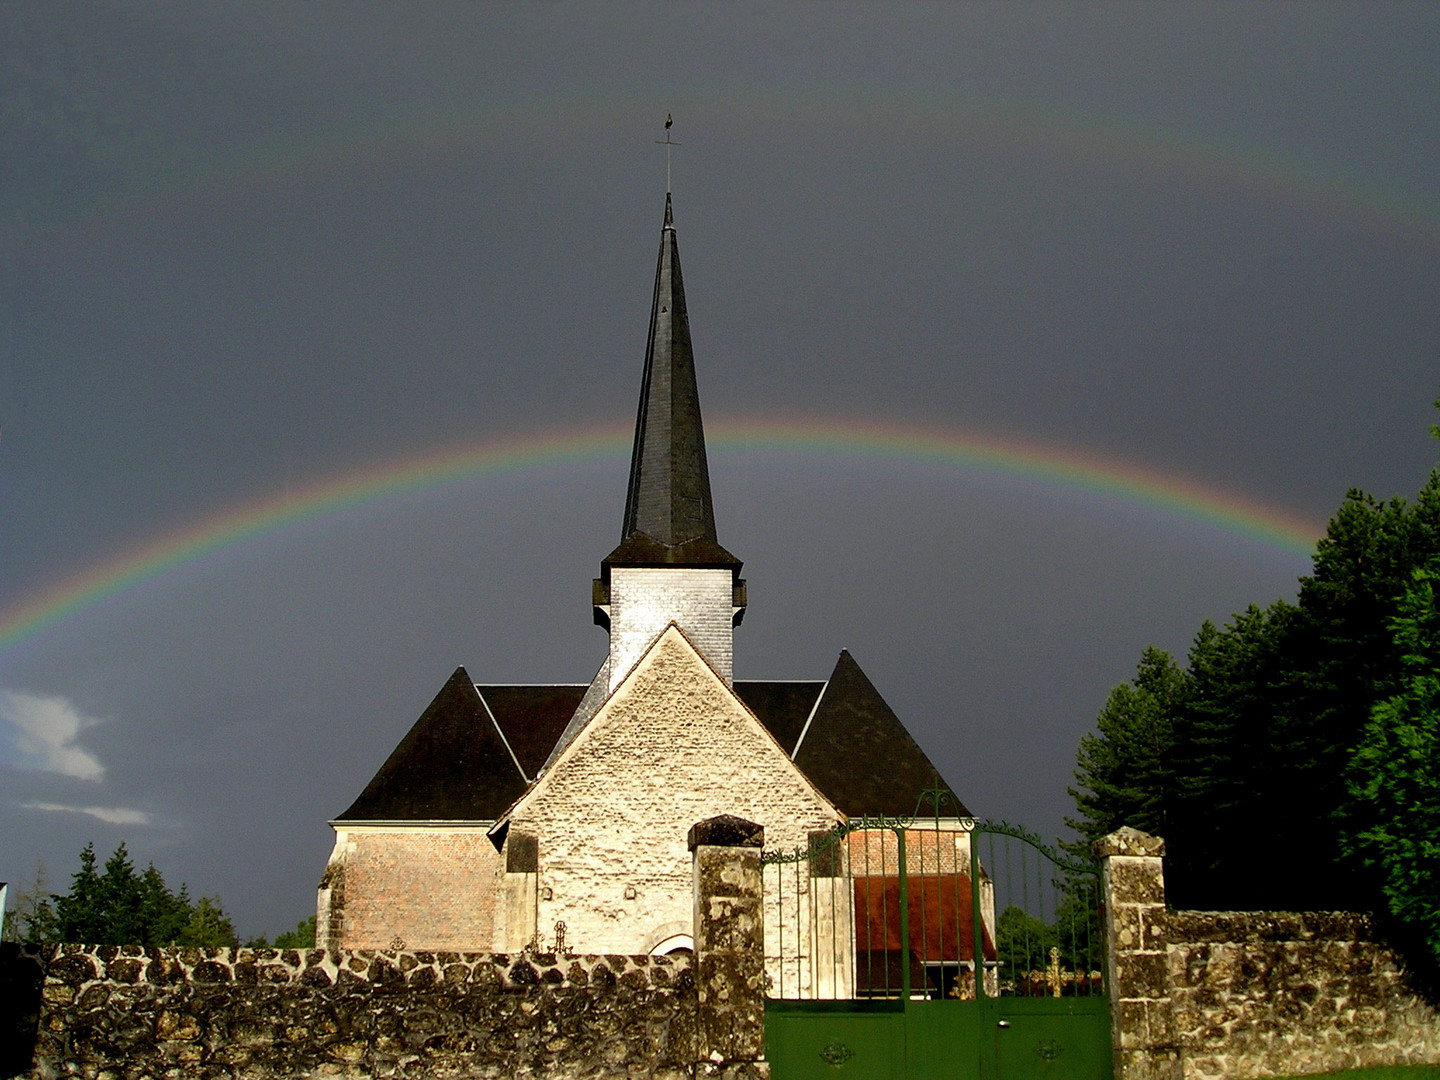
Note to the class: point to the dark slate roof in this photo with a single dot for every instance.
(668, 499)
(532, 718)
(457, 764)
(783, 707)
(858, 752)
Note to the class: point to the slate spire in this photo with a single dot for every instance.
(669, 517)
(668, 499)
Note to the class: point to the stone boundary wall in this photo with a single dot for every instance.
(1287, 993)
(134, 1013)
(1199, 995)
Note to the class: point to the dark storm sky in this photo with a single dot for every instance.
(248, 247)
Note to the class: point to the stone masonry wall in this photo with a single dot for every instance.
(412, 888)
(261, 1013)
(1285, 993)
(1199, 995)
(672, 746)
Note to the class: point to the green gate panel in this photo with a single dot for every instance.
(995, 1039)
(833, 1040)
(1040, 1038)
(943, 1040)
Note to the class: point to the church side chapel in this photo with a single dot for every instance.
(507, 811)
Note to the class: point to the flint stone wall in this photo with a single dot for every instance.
(128, 1012)
(1199, 995)
(1287, 993)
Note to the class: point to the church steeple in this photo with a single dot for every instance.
(669, 494)
(669, 515)
(669, 566)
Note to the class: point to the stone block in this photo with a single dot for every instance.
(1147, 1065)
(1133, 1024)
(1141, 975)
(1135, 881)
(1127, 841)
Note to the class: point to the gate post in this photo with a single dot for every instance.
(1142, 1026)
(729, 948)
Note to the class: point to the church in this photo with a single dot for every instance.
(511, 815)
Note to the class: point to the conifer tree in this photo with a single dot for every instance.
(1394, 773)
(1289, 719)
(1124, 771)
(120, 907)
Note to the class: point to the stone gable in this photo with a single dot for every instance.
(673, 745)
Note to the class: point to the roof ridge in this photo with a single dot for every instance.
(501, 732)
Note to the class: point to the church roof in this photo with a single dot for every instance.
(475, 749)
(471, 754)
(669, 515)
(858, 752)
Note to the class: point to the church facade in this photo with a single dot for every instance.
(510, 815)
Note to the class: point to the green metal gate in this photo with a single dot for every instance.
(929, 947)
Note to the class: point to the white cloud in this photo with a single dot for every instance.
(45, 730)
(113, 815)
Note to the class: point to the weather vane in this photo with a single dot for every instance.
(667, 143)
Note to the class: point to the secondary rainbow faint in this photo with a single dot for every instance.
(1063, 468)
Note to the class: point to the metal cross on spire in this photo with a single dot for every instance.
(667, 142)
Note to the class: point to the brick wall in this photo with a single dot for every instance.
(417, 887)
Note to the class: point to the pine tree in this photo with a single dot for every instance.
(1124, 772)
(121, 907)
(209, 927)
(1394, 774)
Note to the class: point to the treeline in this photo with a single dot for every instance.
(1293, 760)
(118, 905)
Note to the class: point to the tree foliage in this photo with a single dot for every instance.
(116, 905)
(1292, 761)
(302, 937)
(1394, 775)
(1124, 768)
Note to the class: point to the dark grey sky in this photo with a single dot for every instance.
(251, 246)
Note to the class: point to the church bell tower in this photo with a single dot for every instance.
(669, 566)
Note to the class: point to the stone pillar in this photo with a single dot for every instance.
(729, 948)
(1142, 1027)
(330, 908)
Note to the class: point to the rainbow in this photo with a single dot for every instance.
(978, 122)
(1058, 468)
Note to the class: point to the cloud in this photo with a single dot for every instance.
(45, 729)
(113, 815)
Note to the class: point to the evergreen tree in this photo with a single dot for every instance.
(1124, 772)
(1233, 757)
(209, 927)
(1258, 793)
(1394, 775)
(302, 937)
(75, 915)
(162, 915)
(117, 902)
(121, 907)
